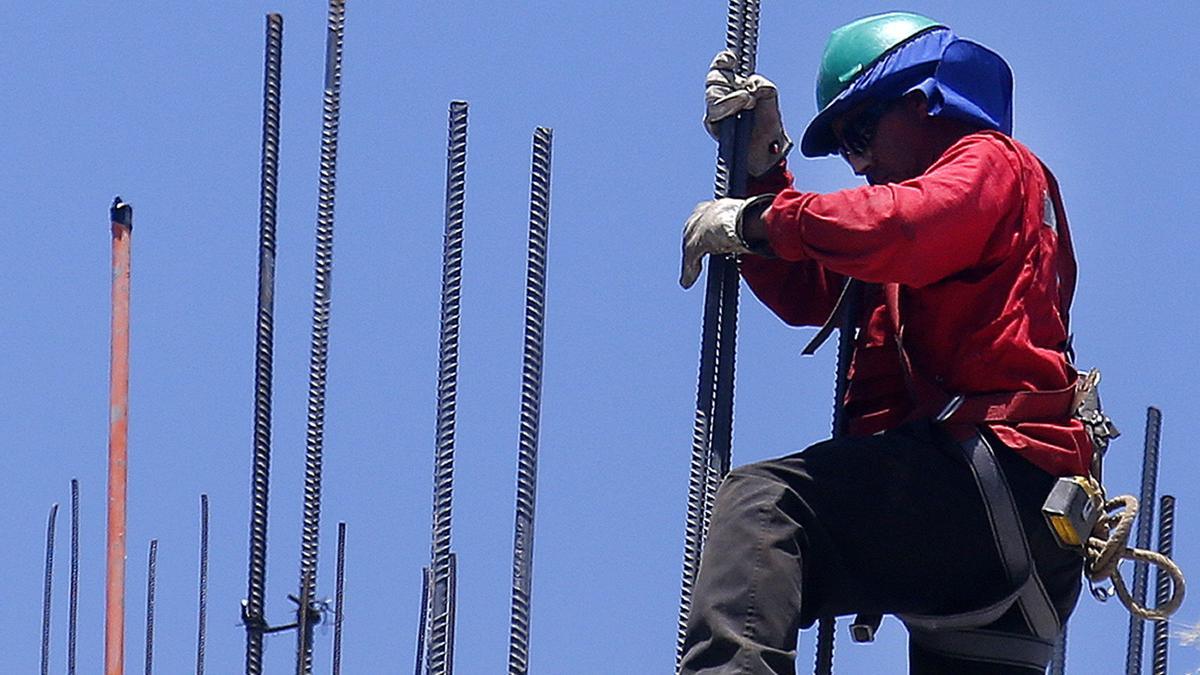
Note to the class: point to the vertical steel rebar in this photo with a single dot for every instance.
(1058, 663)
(423, 621)
(531, 401)
(202, 602)
(339, 599)
(712, 430)
(151, 578)
(1162, 582)
(1145, 525)
(255, 604)
(440, 614)
(319, 354)
(73, 608)
(47, 587)
(121, 215)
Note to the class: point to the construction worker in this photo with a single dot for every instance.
(961, 389)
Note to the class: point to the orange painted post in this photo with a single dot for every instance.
(118, 428)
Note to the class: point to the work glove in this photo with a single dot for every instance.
(715, 227)
(726, 94)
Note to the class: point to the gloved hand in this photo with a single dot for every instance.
(715, 226)
(726, 94)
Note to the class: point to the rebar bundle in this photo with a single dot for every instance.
(531, 403)
(1145, 525)
(438, 626)
(254, 607)
(319, 352)
(712, 431)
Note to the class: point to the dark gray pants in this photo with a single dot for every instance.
(889, 524)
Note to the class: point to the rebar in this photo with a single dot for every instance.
(339, 599)
(202, 602)
(73, 608)
(121, 215)
(1145, 525)
(304, 616)
(422, 622)
(1162, 582)
(254, 607)
(151, 575)
(531, 401)
(47, 586)
(847, 327)
(319, 354)
(441, 609)
(712, 428)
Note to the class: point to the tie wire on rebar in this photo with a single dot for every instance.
(713, 426)
(254, 606)
(531, 401)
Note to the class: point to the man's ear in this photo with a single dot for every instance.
(916, 102)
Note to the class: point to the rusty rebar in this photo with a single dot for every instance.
(1145, 525)
(339, 599)
(118, 436)
(1162, 583)
(202, 600)
(73, 607)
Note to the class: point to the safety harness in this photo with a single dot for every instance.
(964, 635)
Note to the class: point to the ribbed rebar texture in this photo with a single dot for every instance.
(73, 608)
(1162, 582)
(339, 599)
(47, 587)
(441, 608)
(1058, 663)
(319, 354)
(304, 625)
(531, 401)
(712, 430)
(202, 601)
(1145, 525)
(151, 575)
(264, 347)
(423, 621)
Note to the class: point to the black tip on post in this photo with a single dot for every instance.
(121, 212)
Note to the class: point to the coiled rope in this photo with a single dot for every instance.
(1109, 545)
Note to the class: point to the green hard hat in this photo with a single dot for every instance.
(854, 47)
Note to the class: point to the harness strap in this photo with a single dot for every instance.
(959, 635)
(831, 322)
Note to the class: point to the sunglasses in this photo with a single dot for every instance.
(857, 133)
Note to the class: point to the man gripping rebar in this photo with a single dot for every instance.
(961, 397)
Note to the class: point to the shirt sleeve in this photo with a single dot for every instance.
(801, 293)
(916, 232)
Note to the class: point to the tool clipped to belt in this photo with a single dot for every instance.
(1082, 519)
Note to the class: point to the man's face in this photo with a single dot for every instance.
(886, 142)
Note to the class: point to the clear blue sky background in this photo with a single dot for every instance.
(159, 102)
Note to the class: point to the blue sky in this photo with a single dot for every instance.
(160, 103)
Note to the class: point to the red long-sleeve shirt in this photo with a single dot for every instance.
(973, 244)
